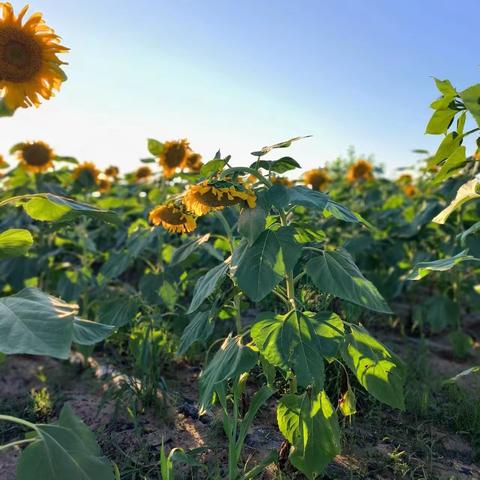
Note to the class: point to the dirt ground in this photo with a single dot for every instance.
(378, 443)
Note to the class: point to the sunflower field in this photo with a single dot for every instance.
(194, 319)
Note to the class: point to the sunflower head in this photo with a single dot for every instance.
(317, 178)
(29, 66)
(173, 218)
(174, 155)
(35, 156)
(86, 172)
(286, 182)
(104, 184)
(112, 171)
(409, 190)
(209, 196)
(143, 174)
(194, 162)
(360, 170)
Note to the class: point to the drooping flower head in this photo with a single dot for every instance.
(286, 182)
(173, 218)
(410, 190)
(112, 171)
(88, 171)
(35, 156)
(194, 162)
(174, 155)
(317, 178)
(29, 66)
(360, 170)
(143, 174)
(209, 196)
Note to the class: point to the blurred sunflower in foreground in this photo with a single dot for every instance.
(87, 171)
(174, 155)
(360, 170)
(29, 66)
(317, 178)
(210, 196)
(173, 218)
(286, 182)
(112, 171)
(194, 162)
(35, 157)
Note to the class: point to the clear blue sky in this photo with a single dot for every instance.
(238, 75)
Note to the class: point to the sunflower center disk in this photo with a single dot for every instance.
(172, 217)
(36, 155)
(209, 198)
(20, 55)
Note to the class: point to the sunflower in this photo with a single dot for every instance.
(29, 66)
(173, 218)
(112, 171)
(87, 170)
(286, 182)
(409, 190)
(405, 179)
(194, 162)
(35, 156)
(317, 178)
(360, 170)
(104, 184)
(207, 197)
(143, 174)
(174, 155)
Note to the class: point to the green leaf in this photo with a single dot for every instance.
(230, 361)
(251, 223)
(183, 252)
(440, 311)
(212, 167)
(452, 165)
(467, 192)
(34, 323)
(290, 342)
(310, 424)
(49, 207)
(86, 332)
(348, 404)
(261, 267)
(440, 120)
(198, 330)
(378, 370)
(422, 269)
(67, 450)
(335, 272)
(155, 147)
(206, 285)
(15, 242)
(471, 98)
(118, 311)
(281, 165)
(449, 144)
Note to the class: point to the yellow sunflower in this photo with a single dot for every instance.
(194, 162)
(360, 170)
(87, 169)
(104, 184)
(409, 190)
(143, 174)
(174, 155)
(207, 197)
(405, 179)
(29, 66)
(112, 171)
(286, 182)
(35, 156)
(317, 178)
(173, 218)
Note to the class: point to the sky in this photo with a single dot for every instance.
(238, 75)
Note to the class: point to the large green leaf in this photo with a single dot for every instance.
(232, 359)
(452, 165)
(378, 370)
(207, 284)
(296, 341)
(310, 424)
(261, 267)
(467, 192)
(422, 269)
(49, 207)
(67, 450)
(118, 311)
(441, 119)
(198, 330)
(282, 165)
(335, 272)
(32, 322)
(471, 99)
(15, 242)
(251, 223)
(86, 332)
(183, 252)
